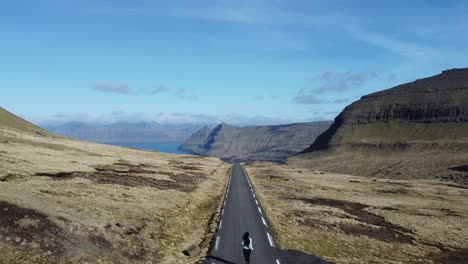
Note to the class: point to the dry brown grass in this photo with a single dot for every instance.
(443, 164)
(351, 219)
(72, 201)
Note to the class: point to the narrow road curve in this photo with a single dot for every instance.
(242, 212)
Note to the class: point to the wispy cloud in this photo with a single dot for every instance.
(333, 82)
(339, 82)
(124, 89)
(227, 11)
(109, 87)
(308, 97)
(157, 90)
(407, 49)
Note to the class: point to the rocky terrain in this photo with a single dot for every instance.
(68, 201)
(414, 130)
(270, 143)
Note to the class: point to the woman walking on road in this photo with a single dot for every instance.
(247, 247)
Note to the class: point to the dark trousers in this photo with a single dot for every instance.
(247, 255)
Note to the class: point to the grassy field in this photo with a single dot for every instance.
(450, 166)
(351, 219)
(69, 201)
(395, 149)
(396, 131)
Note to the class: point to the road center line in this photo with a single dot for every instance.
(217, 242)
(270, 240)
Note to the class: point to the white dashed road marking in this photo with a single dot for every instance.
(259, 210)
(217, 242)
(256, 202)
(221, 224)
(263, 220)
(270, 239)
(277, 262)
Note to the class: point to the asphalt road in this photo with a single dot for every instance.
(242, 213)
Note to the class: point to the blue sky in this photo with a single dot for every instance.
(241, 62)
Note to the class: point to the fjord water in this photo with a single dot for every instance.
(167, 147)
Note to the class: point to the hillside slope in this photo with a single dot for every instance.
(69, 201)
(272, 143)
(12, 121)
(418, 129)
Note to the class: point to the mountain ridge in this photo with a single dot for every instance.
(418, 129)
(270, 143)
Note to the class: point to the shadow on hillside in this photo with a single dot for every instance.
(463, 168)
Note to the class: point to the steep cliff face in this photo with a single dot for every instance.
(428, 110)
(273, 143)
(418, 129)
(440, 98)
(193, 143)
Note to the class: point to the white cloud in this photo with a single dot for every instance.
(112, 87)
(409, 50)
(342, 81)
(335, 82)
(157, 90)
(308, 97)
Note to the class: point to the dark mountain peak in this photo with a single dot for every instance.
(225, 125)
(455, 71)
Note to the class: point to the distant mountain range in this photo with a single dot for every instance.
(124, 131)
(268, 143)
(418, 129)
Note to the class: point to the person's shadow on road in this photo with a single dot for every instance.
(220, 260)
